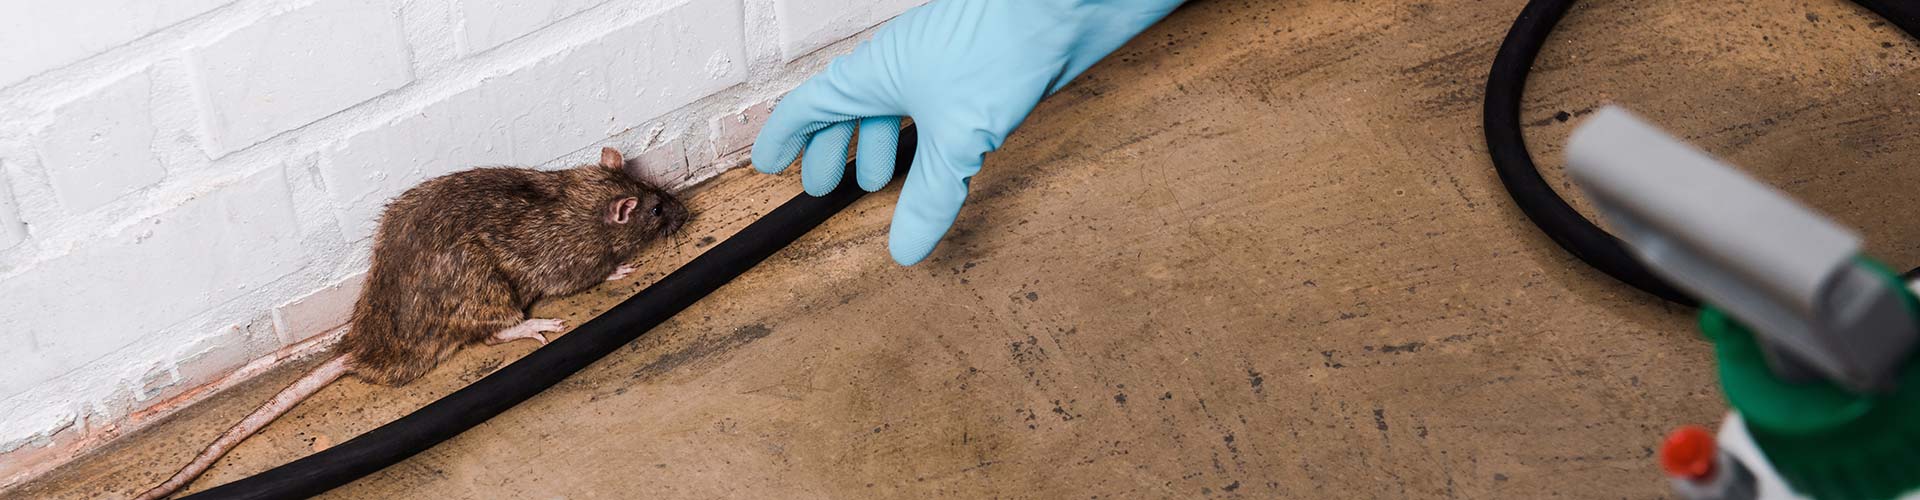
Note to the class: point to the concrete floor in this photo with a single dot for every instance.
(1258, 253)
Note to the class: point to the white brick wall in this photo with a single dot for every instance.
(187, 185)
(293, 68)
(12, 232)
(100, 147)
(148, 276)
(38, 36)
(493, 22)
(808, 25)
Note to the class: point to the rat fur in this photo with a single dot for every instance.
(459, 259)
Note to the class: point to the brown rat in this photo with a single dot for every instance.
(458, 260)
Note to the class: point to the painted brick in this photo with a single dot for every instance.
(546, 110)
(57, 424)
(12, 231)
(151, 275)
(433, 34)
(318, 312)
(737, 131)
(372, 167)
(100, 147)
(297, 67)
(207, 359)
(698, 145)
(664, 164)
(721, 163)
(808, 25)
(211, 358)
(23, 369)
(636, 73)
(39, 36)
(490, 23)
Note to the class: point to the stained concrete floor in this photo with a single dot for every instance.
(1258, 253)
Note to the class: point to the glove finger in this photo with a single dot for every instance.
(936, 188)
(879, 147)
(782, 138)
(850, 88)
(826, 159)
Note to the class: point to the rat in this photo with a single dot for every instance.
(459, 259)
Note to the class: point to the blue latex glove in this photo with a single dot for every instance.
(968, 72)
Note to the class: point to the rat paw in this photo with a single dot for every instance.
(529, 329)
(621, 273)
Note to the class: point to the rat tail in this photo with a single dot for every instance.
(306, 386)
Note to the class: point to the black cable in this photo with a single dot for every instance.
(1506, 85)
(468, 407)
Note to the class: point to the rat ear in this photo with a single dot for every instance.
(621, 210)
(610, 159)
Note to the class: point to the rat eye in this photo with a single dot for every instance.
(655, 211)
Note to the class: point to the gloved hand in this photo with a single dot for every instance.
(968, 72)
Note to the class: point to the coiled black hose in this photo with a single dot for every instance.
(1537, 199)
